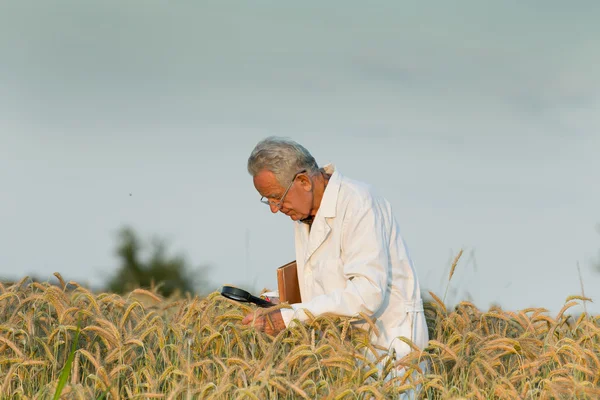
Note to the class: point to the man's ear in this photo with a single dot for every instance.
(305, 182)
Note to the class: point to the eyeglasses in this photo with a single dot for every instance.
(278, 204)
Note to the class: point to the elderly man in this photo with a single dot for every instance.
(350, 255)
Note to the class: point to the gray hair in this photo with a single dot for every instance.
(283, 157)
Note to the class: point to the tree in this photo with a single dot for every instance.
(171, 275)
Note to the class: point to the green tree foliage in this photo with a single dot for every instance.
(170, 274)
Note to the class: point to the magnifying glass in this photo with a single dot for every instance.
(241, 295)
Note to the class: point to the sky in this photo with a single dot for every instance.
(480, 123)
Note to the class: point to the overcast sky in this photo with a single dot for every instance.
(479, 122)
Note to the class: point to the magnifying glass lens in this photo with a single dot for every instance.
(234, 297)
(235, 293)
(243, 296)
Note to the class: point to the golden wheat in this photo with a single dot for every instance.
(145, 346)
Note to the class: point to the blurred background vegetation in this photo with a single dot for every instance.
(147, 265)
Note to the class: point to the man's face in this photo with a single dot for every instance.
(297, 202)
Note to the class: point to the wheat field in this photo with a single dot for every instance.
(141, 346)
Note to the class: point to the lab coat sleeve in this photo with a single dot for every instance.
(365, 266)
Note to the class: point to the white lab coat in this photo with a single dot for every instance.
(354, 260)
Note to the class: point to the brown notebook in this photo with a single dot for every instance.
(287, 283)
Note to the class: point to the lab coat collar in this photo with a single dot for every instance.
(328, 206)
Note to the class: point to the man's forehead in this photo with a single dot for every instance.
(266, 177)
(266, 183)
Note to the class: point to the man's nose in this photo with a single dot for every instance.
(274, 208)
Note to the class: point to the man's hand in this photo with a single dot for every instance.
(262, 320)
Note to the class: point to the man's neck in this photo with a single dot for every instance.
(308, 220)
(320, 185)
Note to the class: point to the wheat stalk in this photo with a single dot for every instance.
(452, 268)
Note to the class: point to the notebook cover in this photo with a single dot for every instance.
(287, 282)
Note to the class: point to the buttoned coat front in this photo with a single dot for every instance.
(353, 259)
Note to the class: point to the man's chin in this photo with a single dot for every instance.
(295, 217)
